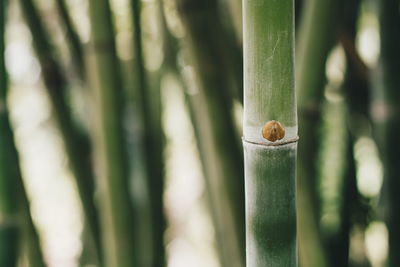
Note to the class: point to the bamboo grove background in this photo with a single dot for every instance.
(121, 124)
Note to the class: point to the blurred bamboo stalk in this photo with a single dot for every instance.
(356, 92)
(111, 158)
(235, 10)
(202, 129)
(195, 106)
(317, 32)
(16, 226)
(74, 42)
(218, 138)
(76, 144)
(386, 113)
(8, 243)
(153, 142)
(332, 185)
(204, 26)
(270, 133)
(89, 253)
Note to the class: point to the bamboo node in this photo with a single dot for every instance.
(273, 131)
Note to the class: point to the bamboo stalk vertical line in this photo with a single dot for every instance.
(76, 144)
(152, 142)
(385, 107)
(235, 10)
(116, 209)
(270, 133)
(197, 113)
(72, 37)
(317, 33)
(217, 135)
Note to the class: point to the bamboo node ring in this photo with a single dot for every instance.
(273, 131)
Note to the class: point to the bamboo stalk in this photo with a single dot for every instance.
(235, 10)
(111, 158)
(386, 112)
(90, 253)
(8, 244)
(270, 133)
(215, 129)
(355, 90)
(76, 144)
(333, 184)
(209, 37)
(153, 137)
(72, 37)
(195, 105)
(316, 37)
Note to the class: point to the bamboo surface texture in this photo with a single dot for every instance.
(270, 114)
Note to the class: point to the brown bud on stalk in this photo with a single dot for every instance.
(273, 131)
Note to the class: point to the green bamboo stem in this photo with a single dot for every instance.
(207, 33)
(232, 40)
(89, 253)
(332, 185)
(316, 37)
(8, 245)
(72, 37)
(215, 129)
(357, 74)
(355, 89)
(116, 210)
(208, 156)
(387, 120)
(270, 167)
(235, 10)
(150, 101)
(356, 85)
(77, 145)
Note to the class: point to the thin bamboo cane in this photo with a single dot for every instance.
(90, 253)
(235, 10)
(152, 142)
(77, 145)
(8, 244)
(216, 132)
(270, 133)
(355, 90)
(116, 212)
(72, 37)
(209, 37)
(386, 112)
(316, 37)
(195, 106)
